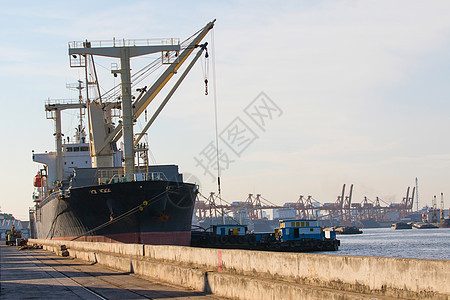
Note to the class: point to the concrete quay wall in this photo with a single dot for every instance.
(271, 275)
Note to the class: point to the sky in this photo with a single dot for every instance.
(349, 92)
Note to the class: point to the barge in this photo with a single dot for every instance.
(296, 235)
(401, 225)
(348, 230)
(424, 226)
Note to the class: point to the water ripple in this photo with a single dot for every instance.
(407, 243)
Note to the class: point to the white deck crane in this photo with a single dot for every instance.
(101, 133)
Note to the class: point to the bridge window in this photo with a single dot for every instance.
(84, 148)
(69, 149)
(76, 149)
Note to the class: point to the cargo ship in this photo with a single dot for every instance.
(89, 189)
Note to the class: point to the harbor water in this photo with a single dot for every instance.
(406, 243)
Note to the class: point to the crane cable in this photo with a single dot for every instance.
(213, 57)
(205, 71)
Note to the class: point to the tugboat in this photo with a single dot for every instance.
(88, 189)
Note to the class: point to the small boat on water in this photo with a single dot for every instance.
(348, 230)
(401, 225)
(424, 226)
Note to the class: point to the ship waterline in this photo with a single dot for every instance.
(149, 212)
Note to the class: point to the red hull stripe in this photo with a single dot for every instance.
(179, 238)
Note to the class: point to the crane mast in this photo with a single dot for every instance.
(434, 217)
(417, 194)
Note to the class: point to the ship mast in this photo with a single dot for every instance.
(53, 111)
(80, 134)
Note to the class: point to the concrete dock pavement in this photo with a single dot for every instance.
(38, 274)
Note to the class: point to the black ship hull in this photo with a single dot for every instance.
(144, 212)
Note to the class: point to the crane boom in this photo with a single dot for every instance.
(141, 104)
(148, 97)
(172, 91)
(105, 134)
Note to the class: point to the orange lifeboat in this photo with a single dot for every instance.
(37, 182)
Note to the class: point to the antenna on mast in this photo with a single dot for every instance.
(80, 134)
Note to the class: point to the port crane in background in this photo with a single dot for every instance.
(434, 217)
(407, 203)
(213, 206)
(305, 208)
(342, 212)
(341, 209)
(434, 214)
